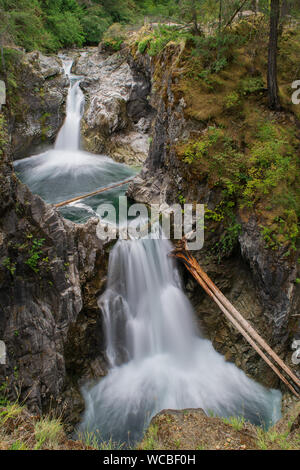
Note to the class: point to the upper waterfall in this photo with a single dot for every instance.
(69, 135)
(66, 171)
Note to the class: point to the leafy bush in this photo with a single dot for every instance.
(251, 85)
(142, 45)
(215, 51)
(95, 22)
(232, 100)
(160, 37)
(114, 36)
(66, 29)
(3, 134)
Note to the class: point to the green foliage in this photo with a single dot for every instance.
(95, 22)
(228, 240)
(251, 85)
(3, 394)
(232, 100)
(18, 445)
(237, 422)
(272, 162)
(3, 134)
(114, 36)
(8, 264)
(66, 30)
(215, 51)
(150, 438)
(266, 175)
(94, 440)
(10, 412)
(50, 25)
(181, 199)
(155, 42)
(212, 154)
(48, 432)
(200, 148)
(273, 439)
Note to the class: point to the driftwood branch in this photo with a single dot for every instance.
(240, 323)
(94, 193)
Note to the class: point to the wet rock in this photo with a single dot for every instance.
(260, 282)
(51, 273)
(192, 429)
(274, 274)
(117, 117)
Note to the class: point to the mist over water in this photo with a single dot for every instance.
(157, 356)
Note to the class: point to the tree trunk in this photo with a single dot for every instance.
(285, 8)
(272, 56)
(3, 60)
(254, 5)
(220, 15)
(195, 18)
(236, 12)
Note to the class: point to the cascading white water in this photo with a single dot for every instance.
(66, 171)
(157, 356)
(69, 135)
(158, 359)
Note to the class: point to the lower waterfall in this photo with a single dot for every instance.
(158, 359)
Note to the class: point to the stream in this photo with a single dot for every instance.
(65, 171)
(157, 356)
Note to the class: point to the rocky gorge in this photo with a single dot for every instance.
(137, 113)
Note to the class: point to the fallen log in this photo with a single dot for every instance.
(241, 324)
(94, 193)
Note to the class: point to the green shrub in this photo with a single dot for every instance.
(35, 253)
(114, 36)
(251, 85)
(142, 45)
(48, 432)
(66, 29)
(232, 100)
(95, 22)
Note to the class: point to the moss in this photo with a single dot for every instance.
(246, 153)
(3, 134)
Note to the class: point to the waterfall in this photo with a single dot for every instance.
(65, 171)
(69, 135)
(157, 357)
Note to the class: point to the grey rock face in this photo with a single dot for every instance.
(118, 116)
(275, 276)
(46, 293)
(271, 276)
(42, 104)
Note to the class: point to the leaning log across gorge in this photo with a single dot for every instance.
(94, 193)
(241, 324)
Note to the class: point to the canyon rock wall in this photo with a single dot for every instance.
(51, 272)
(259, 281)
(37, 91)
